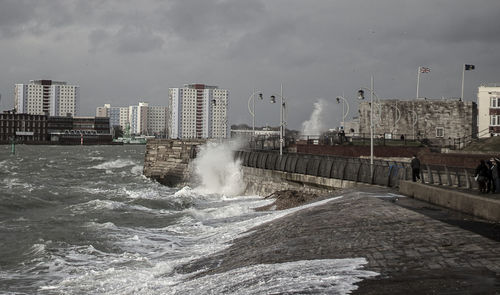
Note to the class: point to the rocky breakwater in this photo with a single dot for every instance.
(168, 161)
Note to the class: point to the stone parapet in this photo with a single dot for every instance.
(483, 207)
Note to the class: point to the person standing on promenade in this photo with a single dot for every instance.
(415, 168)
(490, 186)
(481, 176)
(495, 176)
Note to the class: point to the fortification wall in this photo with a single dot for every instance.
(264, 172)
(168, 160)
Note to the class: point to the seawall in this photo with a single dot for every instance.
(168, 161)
(264, 172)
(265, 182)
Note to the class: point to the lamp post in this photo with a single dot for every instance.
(346, 112)
(361, 95)
(252, 110)
(282, 116)
(397, 118)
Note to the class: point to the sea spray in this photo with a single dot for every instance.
(219, 172)
(319, 119)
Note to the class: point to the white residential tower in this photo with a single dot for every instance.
(46, 97)
(198, 111)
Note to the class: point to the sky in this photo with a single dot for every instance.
(124, 51)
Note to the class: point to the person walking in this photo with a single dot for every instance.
(415, 168)
(481, 176)
(495, 176)
(490, 186)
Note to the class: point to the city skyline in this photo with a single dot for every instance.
(119, 52)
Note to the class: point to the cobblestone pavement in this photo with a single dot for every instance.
(414, 253)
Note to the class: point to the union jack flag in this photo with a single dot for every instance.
(469, 67)
(425, 70)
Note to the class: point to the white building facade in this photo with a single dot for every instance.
(46, 97)
(157, 121)
(198, 111)
(140, 119)
(488, 103)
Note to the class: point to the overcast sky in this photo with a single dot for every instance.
(122, 52)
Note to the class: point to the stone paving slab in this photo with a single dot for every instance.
(414, 253)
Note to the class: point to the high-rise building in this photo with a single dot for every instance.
(46, 97)
(113, 113)
(157, 121)
(198, 111)
(140, 119)
(488, 104)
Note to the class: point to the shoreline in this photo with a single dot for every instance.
(402, 239)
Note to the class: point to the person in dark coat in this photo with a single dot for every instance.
(482, 176)
(490, 186)
(495, 176)
(415, 168)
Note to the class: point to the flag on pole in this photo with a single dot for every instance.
(470, 67)
(425, 70)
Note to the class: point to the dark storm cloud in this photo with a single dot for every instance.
(128, 39)
(192, 19)
(317, 48)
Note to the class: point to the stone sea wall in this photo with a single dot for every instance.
(168, 160)
(323, 170)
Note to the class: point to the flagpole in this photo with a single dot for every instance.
(418, 80)
(463, 76)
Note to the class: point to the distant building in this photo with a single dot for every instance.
(79, 130)
(42, 129)
(23, 128)
(157, 121)
(141, 119)
(138, 118)
(438, 121)
(488, 103)
(198, 111)
(352, 127)
(46, 97)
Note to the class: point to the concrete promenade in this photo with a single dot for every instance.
(416, 247)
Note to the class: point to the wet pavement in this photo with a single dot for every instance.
(416, 247)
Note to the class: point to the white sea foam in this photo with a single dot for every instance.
(136, 170)
(195, 235)
(327, 276)
(218, 170)
(115, 164)
(36, 250)
(100, 205)
(105, 225)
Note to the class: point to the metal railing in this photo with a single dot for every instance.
(386, 173)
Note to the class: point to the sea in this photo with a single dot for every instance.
(85, 220)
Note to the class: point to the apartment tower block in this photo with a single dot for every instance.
(46, 97)
(198, 111)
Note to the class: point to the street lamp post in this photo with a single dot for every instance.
(346, 112)
(252, 110)
(282, 116)
(361, 95)
(397, 118)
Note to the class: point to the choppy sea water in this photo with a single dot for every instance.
(84, 220)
